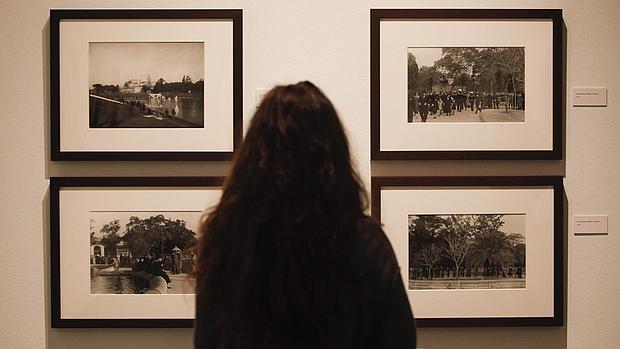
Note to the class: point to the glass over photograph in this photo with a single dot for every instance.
(146, 84)
(465, 84)
(142, 252)
(467, 251)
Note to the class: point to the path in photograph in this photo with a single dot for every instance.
(467, 251)
(143, 252)
(465, 84)
(146, 84)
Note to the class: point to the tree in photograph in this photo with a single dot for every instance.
(512, 61)
(428, 256)
(156, 232)
(173, 87)
(458, 238)
(99, 88)
(93, 239)
(505, 259)
(186, 84)
(517, 242)
(457, 249)
(159, 85)
(198, 86)
(110, 237)
(413, 76)
(487, 223)
(462, 80)
(518, 246)
(493, 247)
(456, 62)
(424, 232)
(430, 76)
(487, 70)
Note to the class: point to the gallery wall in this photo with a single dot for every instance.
(326, 42)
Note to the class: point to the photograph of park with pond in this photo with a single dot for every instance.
(465, 84)
(146, 85)
(467, 251)
(143, 252)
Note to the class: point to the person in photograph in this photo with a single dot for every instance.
(176, 260)
(114, 264)
(412, 106)
(416, 104)
(287, 258)
(478, 103)
(425, 102)
(448, 104)
(434, 103)
(411, 109)
(157, 269)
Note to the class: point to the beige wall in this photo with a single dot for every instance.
(326, 42)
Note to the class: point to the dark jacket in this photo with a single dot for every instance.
(385, 319)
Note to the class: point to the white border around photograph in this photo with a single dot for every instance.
(73, 204)
(162, 134)
(395, 198)
(394, 32)
(76, 135)
(535, 133)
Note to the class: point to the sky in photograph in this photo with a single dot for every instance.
(425, 56)
(513, 223)
(113, 63)
(99, 219)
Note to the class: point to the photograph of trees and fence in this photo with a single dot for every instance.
(142, 252)
(466, 84)
(146, 84)
(467, 251)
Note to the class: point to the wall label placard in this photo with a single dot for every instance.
(590, 225)
(589, 97)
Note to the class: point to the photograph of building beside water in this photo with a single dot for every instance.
(142, 252)
(466, 84)
(467, 251)
(146, 84)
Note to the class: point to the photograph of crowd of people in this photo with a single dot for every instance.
(465, 84)
(146, 84)
(467, 251)
(142, 252)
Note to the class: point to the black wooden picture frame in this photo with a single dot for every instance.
(556, 238)
(234, 16)
(378, 16)
(58, 184)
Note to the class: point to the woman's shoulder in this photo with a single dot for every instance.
(373, 248)
(371, 235)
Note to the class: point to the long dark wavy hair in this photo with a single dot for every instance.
(272, 269)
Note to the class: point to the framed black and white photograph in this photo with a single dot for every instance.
(170, 100)
(476, 251)
(466, 251)
(124, 249)
(145, 84)
(466, 84)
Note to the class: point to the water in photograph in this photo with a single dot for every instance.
(117, 284)
(188, 108)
